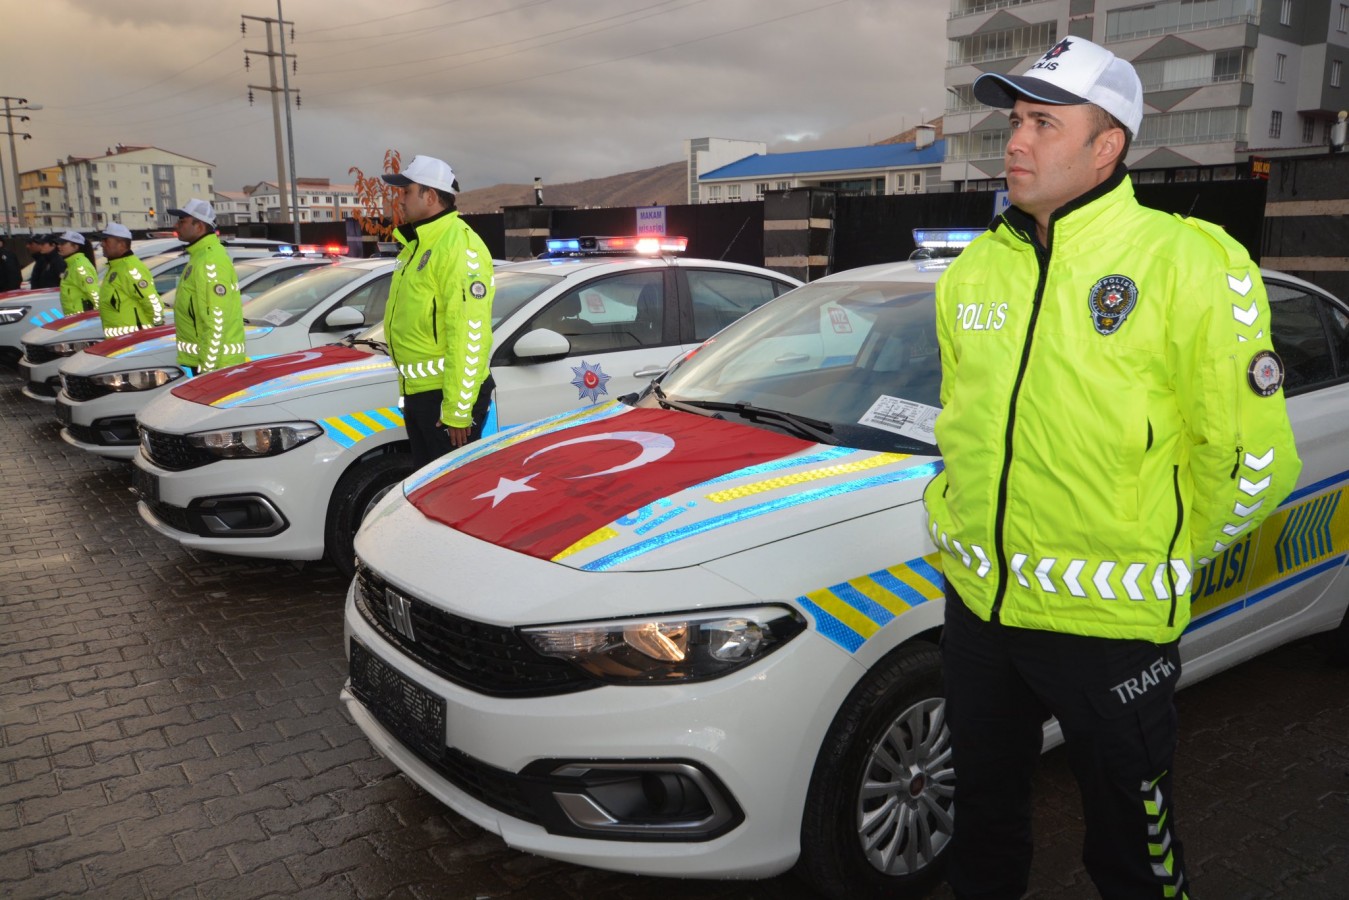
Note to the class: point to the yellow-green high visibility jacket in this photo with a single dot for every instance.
(79, 286)
(1112, 416)
(438, 321)
(207, 311)
(129, 299)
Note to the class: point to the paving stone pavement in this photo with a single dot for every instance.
(169, 727)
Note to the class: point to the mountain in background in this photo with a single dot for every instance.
(665, 185)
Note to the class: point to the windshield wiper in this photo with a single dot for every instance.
(815, 429)
(367, 342)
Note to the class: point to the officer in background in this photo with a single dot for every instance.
(79, 285)
(10, 278)
(438, 321)
(129, 299)
(48, 266)
(1120, 427)
(207, 310)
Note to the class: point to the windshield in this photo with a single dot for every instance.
(515, 289)
(858, 360)
(290, 300)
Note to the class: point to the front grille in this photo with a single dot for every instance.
(84, 434)
(42, 388)
(37, 354)
(172, 451)
(489, 659)
(495, 787)
(78, 387)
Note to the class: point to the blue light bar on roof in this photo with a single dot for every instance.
(941, 238)
(564, 245)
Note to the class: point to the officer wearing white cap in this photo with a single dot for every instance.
(129, 299)
(1112, 419)
(208, 312)
(79, 284)
(438, 321)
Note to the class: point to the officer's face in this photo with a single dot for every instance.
(189, 229)
(1051, 157)
(416, 206)
(65, 248)
(115, 246)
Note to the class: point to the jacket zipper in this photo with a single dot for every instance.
(1042, 258)
(1171, 548)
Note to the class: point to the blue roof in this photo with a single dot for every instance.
(880, 156)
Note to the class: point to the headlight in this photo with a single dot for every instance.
(139, 380)
(264, 440)
(669, 648)
(12, 315)
(70, 348)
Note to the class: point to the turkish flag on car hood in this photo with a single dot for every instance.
(541, 495)
(65, 322)
(213, 387)
(113, 345)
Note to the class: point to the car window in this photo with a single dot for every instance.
(1301, 337)
(622, 312)
(166, 279)
(290, 300)
(719, 298)
(370, 299)
(515, 289)
(270, 278)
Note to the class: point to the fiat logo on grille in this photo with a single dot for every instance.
(400, 613)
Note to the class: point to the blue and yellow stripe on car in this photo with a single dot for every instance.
(354, 427)
(851, 612)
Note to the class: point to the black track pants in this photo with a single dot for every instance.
(422, 411)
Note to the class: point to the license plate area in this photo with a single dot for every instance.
(411, 713)
(144, 484)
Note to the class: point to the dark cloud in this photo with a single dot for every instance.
(560, 89)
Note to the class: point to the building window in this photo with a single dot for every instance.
(1336, 70)
(1194, 126)
(1280, 60)
(917, 182)
(714, 192)
(145, 170)
(1308, 130)
(1177, 15)
(760, 188)
(1286, 12)
(116, 202)
(1008, 44)
(112, 184)
(1344, 19)
(732, 192)
(1275, 123)
(784, 186)
(196, 188)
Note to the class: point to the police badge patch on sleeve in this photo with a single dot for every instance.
(142, 283)
(1265, 373)
(1111, 300)
(478, 289)
(220, 290)
(88, 280)
(426, 258)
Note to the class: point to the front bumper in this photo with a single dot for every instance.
(275, 507)
(105, 425)
(517, 766)
(41, 382)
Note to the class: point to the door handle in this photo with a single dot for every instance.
(648, 373)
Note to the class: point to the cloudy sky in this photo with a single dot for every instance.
(505, 90)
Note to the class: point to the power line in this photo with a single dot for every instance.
(425, 30)
(146, 87)
(382, 18)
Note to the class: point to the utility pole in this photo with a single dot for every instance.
(11, 114)
(290, 135)
(280, 93)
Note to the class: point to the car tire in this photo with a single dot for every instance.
(357, 491)
(889, 839)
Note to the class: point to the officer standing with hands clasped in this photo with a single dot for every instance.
(130, 301)
(79, 284)
(438, 320)
(208, 311)
(1119, 426)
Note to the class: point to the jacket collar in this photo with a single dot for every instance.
(426, 228)
(1073, 218)
(207, 241)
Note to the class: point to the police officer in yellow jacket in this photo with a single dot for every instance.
(207, 310)
(129, 301)
(438, 320)
(1112, 419)
(79, 284)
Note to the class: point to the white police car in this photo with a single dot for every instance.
(47, 346)
(697, 636)
(104, 386)
(282, 460)
(20, 312)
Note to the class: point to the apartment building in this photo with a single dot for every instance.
(1224, 80)
(133, 185)
(43, 194)
(318, 200)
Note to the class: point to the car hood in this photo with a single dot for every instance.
(289, 377)
(155, 344)
(81, 326)
(624, 489)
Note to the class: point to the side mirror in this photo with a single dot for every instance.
(542, 343)
(343, 318)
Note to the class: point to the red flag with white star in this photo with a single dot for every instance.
(542, 495)
(213, 386)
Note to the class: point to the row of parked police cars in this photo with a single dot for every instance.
(677, 612)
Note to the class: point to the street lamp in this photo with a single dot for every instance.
(11, 113)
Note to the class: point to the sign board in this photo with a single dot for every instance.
(1001, 202)
(1259, 167)
(650, 220)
